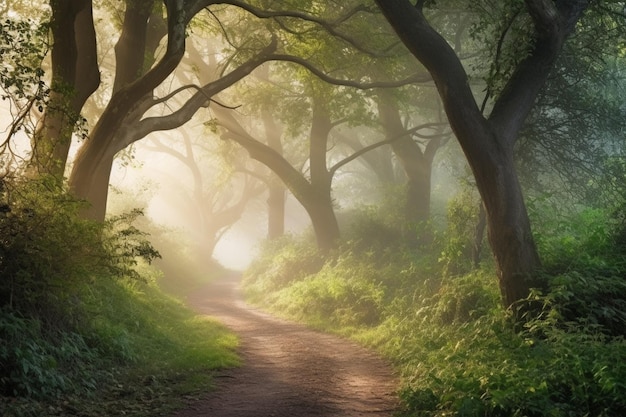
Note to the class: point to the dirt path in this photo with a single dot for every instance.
(288, 370)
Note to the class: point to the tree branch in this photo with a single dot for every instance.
(373, 146)
(553, 23)
(415, 78)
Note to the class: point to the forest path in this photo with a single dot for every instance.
(289, 370)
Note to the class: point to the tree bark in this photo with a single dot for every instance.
(479, 233)
(75, 76)
(488, 143)
(130, 64)
(321, 204)
(122, 122)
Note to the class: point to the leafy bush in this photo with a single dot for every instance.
(58, 275)
(344, 293)
(46, 250)
(281, 262)
(457, 243)
(33, 366)
(368, 232)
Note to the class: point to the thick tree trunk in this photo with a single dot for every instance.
(324, 221)
(320, 203)
(94, 161)
(75, 76)
(509, 229)
(416, 163)
(90, 181)
(417, 169)
(130, 62)
(488, 144)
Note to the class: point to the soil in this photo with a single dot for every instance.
(289, 370)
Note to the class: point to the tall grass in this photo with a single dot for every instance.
(460, 353)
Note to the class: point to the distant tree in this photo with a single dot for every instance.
(213, 204)
(130, 113)
(415, 151)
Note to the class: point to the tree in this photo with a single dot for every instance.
(416, 159)
(127, 118)
(213, 205)
(314, 193)
(488, 142)
(75, 76)
(123, 121)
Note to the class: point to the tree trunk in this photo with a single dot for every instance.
(479, 233)
(130, 62)
(509, 230)
(276, 210)
(276, 189)
(418, 179)
(488, 144)
(75, 76)
(90, 181)
(324, 221)
(416, 163)
(320, 203)
(314, 195)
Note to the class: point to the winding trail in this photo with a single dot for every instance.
(289, 370)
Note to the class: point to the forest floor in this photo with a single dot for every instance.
(289, 370)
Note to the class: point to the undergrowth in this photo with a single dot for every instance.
(84, 328)
(458, 351)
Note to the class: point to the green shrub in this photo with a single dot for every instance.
(368, 233)
(345, 293)
(457, 242)
(280, 262)
(47, 252)
(35, 366)
(587, 299)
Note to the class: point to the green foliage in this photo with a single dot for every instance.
(34, 366)
(126, 244)
(83, 328)
(23, 47)
(378, 229)
(459, 353)
(47, 250)
(571, 238)
(281, 262)
(458, 239)
(345, 293)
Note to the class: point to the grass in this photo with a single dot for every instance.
(146, 353)
(84, 328)
(459, 353)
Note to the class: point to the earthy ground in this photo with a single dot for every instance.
(289, 370)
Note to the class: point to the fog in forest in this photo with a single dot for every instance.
(442, 182)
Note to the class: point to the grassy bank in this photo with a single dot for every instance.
(138, 353)
(84, 328)
(441, 323)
